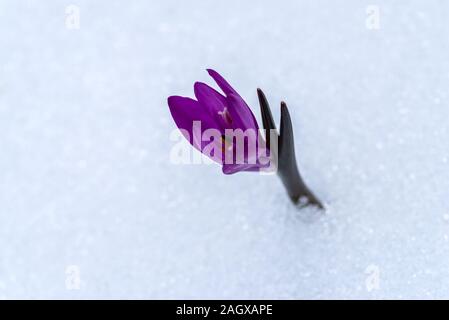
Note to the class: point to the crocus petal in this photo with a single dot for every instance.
(221, 82)
(209, 96)
(185, 111)
(212, 101)
(242, 117)
(241, 114)
(234, 168)
(253, 160)
(249, 167)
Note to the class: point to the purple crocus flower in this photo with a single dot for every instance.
(228, 118)
(222, 113)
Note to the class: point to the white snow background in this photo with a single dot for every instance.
(87, 189)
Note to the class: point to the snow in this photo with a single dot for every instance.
(91, 207)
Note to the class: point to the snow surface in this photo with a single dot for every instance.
(86, 180)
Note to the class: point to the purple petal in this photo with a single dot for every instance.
(242, 117)
(212, 101)
(222, 83)
(241, 114)
(209, 96)
(185, 111)
(253, 160)
(234, 168)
